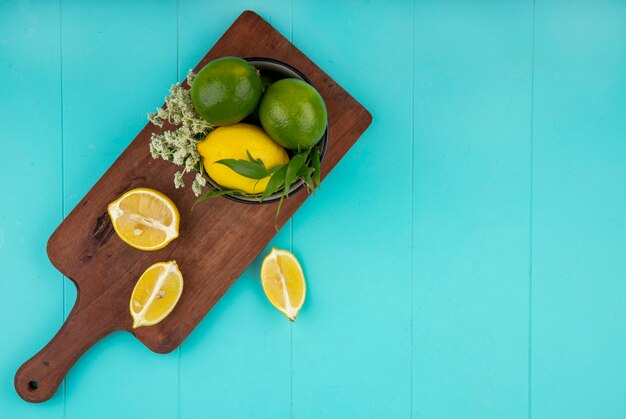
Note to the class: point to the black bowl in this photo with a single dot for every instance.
(276, 70)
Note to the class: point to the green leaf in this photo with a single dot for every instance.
(252, 159)
(280, 204)
(305, 174)
(213, 194)
(315, 160)
(276, 168)
(201, 164)
(305, 171)
(309, 181)
(251, 170)
(276, 182)
(293, 167)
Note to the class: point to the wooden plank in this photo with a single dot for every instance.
(30, 173)
(107, 78)
(351, 344)
(471, 209)
(242, 348)
(85, 248)
(579, 211)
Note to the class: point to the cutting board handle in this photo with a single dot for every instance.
(39, 378)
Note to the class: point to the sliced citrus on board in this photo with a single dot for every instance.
(145, 219)
(283, 282)
(156, 293)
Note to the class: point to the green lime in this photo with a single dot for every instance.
(293, 113)
(226, 90)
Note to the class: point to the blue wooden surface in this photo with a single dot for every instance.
(465, 260)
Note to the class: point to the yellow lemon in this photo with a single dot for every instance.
(283, 282)
(232, 142)
(156, 293)
(145, 219)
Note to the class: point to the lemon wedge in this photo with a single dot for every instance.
(145, 219)
(156, 293)
(283, 282)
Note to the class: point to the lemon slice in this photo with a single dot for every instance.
(145, 219)
(283, 282)
(156, 293)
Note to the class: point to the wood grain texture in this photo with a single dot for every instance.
(219, 238)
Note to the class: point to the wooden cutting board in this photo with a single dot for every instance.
(218, 239)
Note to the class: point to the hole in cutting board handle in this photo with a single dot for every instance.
(33, 385)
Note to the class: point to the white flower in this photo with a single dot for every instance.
(200, 179)
(162, 113)
(178, 180)
(190, 164)
(152, 117)
(179, 157)
(190, 76)
(196, 188)
(156, 146)
(179, 145)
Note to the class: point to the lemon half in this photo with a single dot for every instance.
(145, 219)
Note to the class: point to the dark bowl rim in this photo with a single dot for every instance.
(323, 140)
